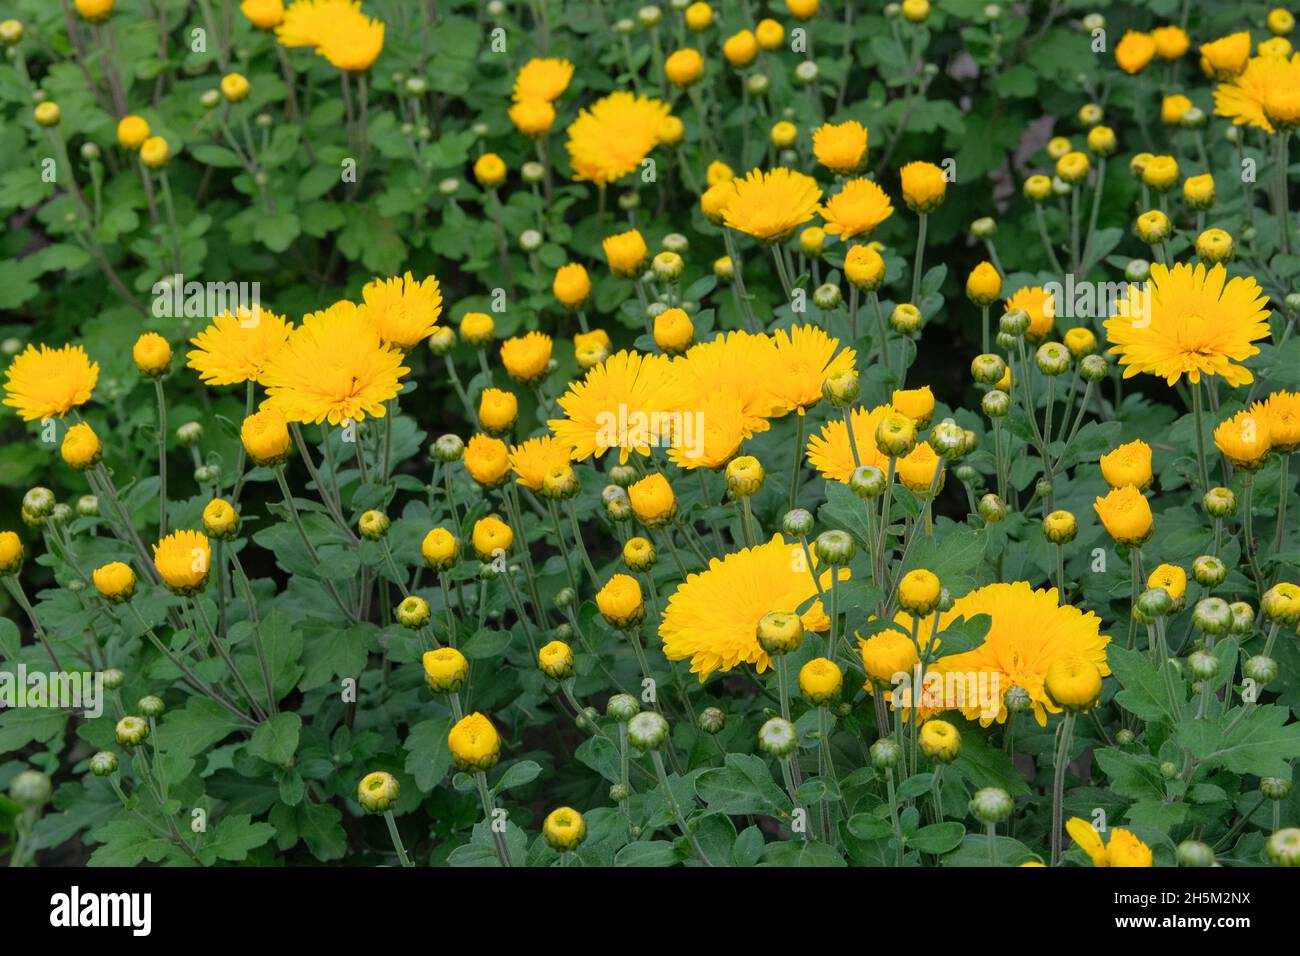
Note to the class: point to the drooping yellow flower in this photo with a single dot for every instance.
(183, 559)
(841, 147)
(543, 79)
(403, 310)
(629, 401)
(1124, 849)
(1029, 630)
(535, 457)
(771, 205)
(712, 618)
(800, 362)
(42, 382)
(334, 367)
(1189, 320)
(611, 138)
(856, 210)
(831, 454)
(236, 346)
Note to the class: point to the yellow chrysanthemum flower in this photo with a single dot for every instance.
(726, 365)
(1030, 630)
(769, 206)
(726, 426)
(337, 29)
(42, 382)
(1124, 849)
(535, 457)
(629, 401)
(713, 616)
(1282, 411)
(841, 147)
(611, 138)
(1245, 97)
(1189, 320)
(543, 79)
(236, 347)
(403, 310)
(334, 367)
(831, 454)
(856, 210)
(1040, 305)
(800, 362)
(183, 559)
(1226, 57)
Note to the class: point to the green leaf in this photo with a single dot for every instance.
(1145, 692)
(233, 837)
(937, 837)
(427, 755)
(802, 853)
(518, 774)
(647, 853)
(195, 727)
(276, 739)
(1131, 775)
(744, 785)
(1260, 743)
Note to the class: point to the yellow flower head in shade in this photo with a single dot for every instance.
(183, 559)
(236, 347)
(132, 131)
(1171, 579)
(352, 41)
(924, 186)
(1040, 305)
(625, 252)
(1189, 320)
(769, 206)
(81, 447)
(712, 618)
(841, 147)
(1226, 57)
(629, 401)
(11, 553)
(831, 454)
(265, 436)
(1245, 440)
(526, 357)
(856, 210)
(1245, 97)
(543, 79)
(1029, 630)
(572, 285)
(1134, 51)
(1124, 849)
(474, 743)
(611, 138)
(535, 457)
(263, 14)
(491, 536)
(1171, 42)
(403, 310)
(532, 117)
(740, 48)
(334, 367)
(1128, 464)
(800, 362)
(1281, 410)
(487, 460)
(42, 382)
(1126, 515)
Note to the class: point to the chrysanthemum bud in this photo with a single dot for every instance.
(113, 678)
(647, 730)
(1153, 603)
(1281, 603)
(906, 318)
(31, 789)
(778, 737)
(104, 763)
(991, 805)
(1262, 670)
(88, 506)
(896, 435)
(835, 548)
(919, 592)
(992, 508)
(940, 741)
(1212, 615)
(1124, 737)
(1060, 527)
(1243, 619)
(1073, 683)
(995, 403)
(1014, 322)
(378, 792)
(412, 613)
(132, 731)
(984, 228)
(1053, 358)
(373, 525)
(555, 660)
(780, 632)
(711, 720)
(867, 481)
(744, 476)
(797, 523)
(1283, 847)
(948, 439)
(1094, 368)
(1194, 853)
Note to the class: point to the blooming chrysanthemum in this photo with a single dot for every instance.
(856, 210)
(535, 457)
(1029, 630)
(352, 41)
(403, 310)
(306, 21)
(183, 559)
(41, 382)
(1041, 307)
(726, 365)
(713, 616)
(1124, 849)
(725, 427)
(334, 367)
(612, 137)
(841, 147)
(831, 454)
(543, 79)
(1281, 410)
(1189, 320)
(769, 206)
(800, 362)
(629, 401)
(1245, 97)
(236, 346)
